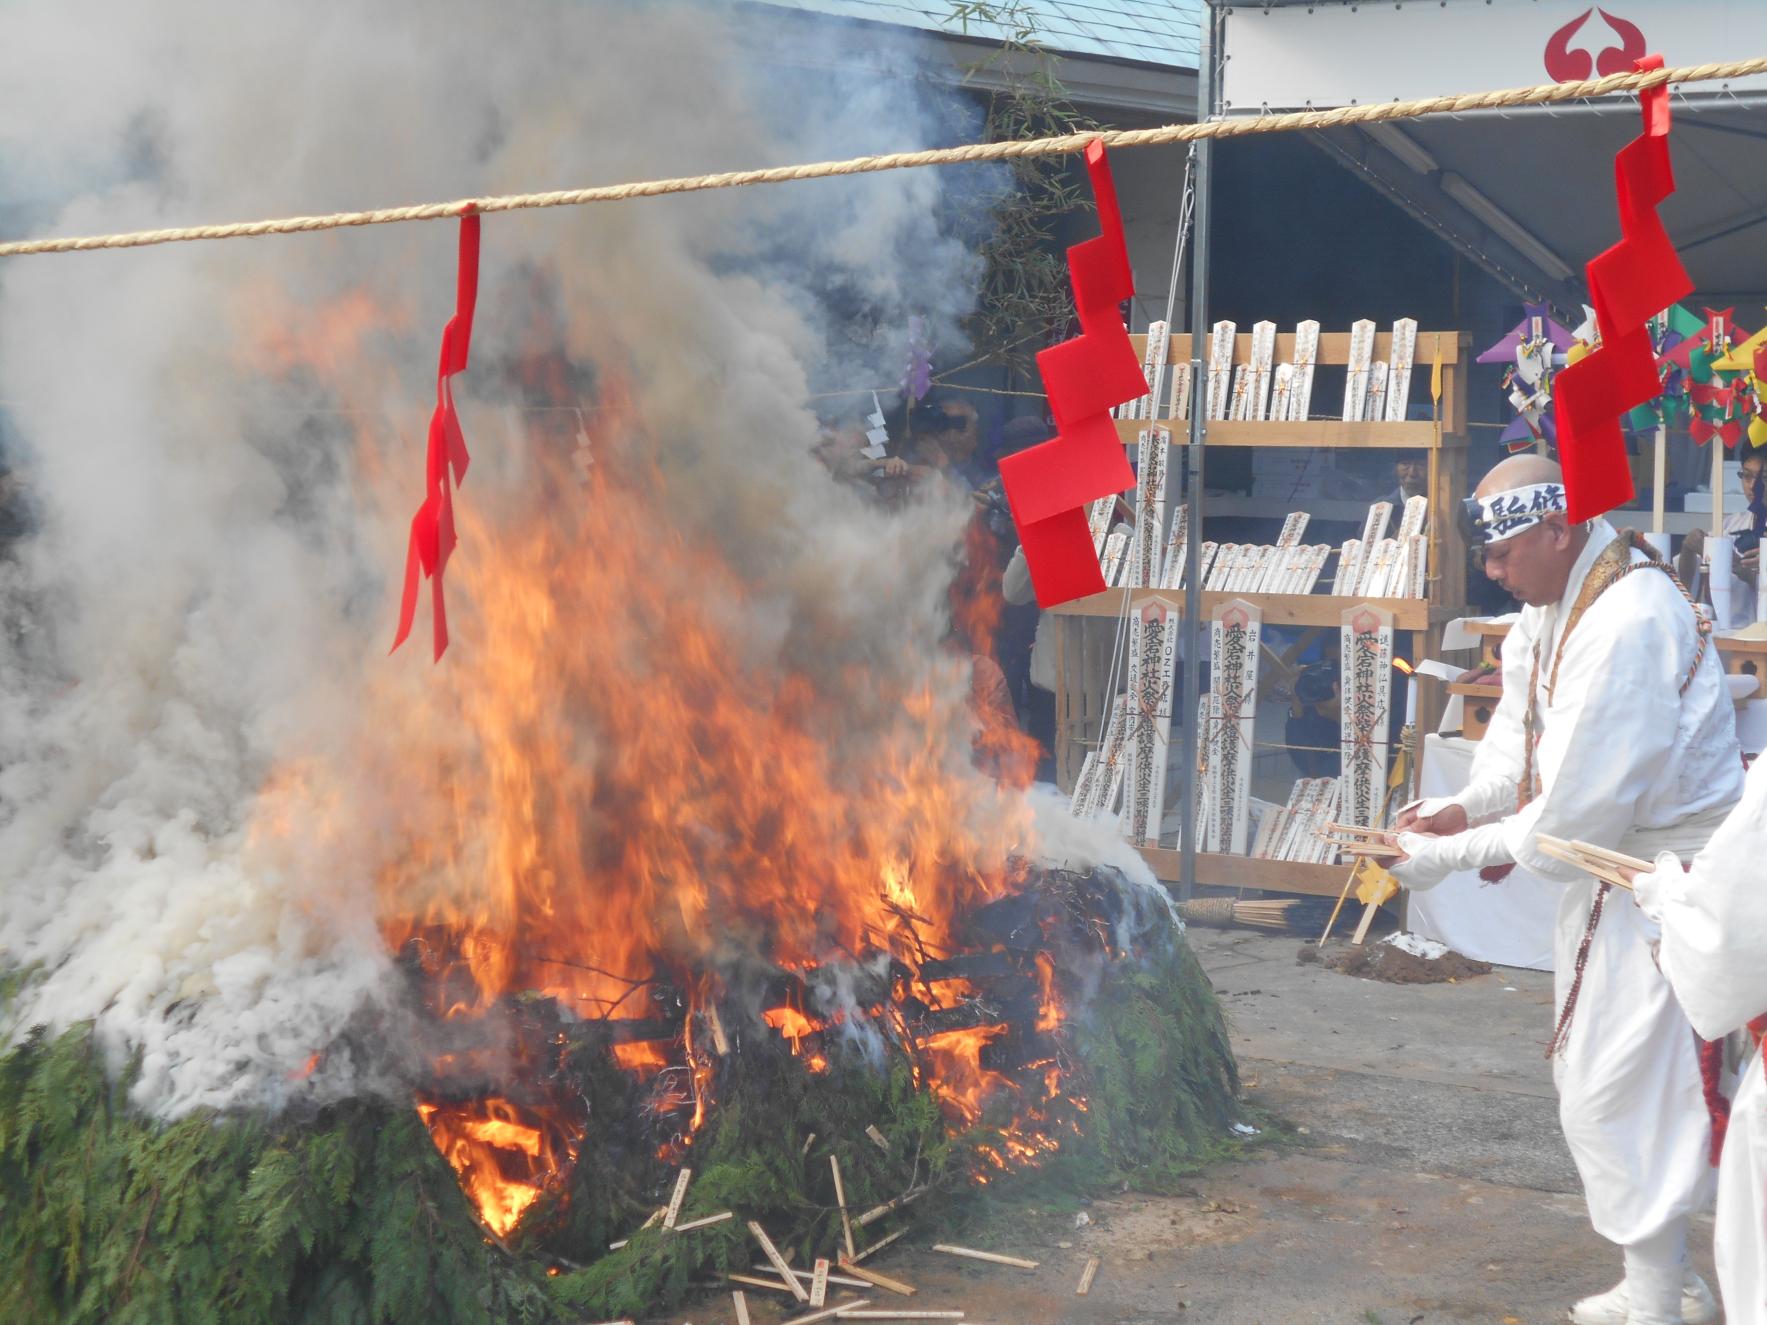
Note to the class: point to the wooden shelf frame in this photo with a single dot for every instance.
(1086, 646)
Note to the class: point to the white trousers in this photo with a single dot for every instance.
(1630, 1100)
(1741, 1241)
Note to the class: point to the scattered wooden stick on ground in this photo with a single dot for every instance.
(827, 1313)
(741, 1303)
(1086, 1277)
(809, 1141)
(777, 1261)
(840, 1199)
(655, 1215)
(674, 1211)
(993, 1257)
(878, 1138)
(804, 1276)
(819, 1283)
(774, 1285)
(877, 1280)
(888, 1314)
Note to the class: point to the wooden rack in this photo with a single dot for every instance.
(1085, 643)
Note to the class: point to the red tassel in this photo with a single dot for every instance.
(1712, 1085)
(445, 454)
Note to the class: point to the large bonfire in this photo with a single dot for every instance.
(341, 987)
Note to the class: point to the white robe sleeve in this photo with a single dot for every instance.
(1497, 763)
(1612, 721)
(1714, 918)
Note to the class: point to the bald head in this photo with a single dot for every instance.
(1518, 472)
(1534, 565)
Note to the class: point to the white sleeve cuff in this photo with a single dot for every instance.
(1667, 883)
(1432, 859)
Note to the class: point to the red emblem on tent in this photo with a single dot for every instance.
(1572, 64)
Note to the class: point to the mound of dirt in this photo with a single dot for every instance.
(1402, 959)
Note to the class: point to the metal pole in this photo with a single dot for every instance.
(1207, 99)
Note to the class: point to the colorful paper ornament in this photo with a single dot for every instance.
(1533, 351)
(1749, 361)
(917, 378)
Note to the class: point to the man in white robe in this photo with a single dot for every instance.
(1615, 728)
(1714, 953)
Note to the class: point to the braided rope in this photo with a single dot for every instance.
(1561, 1033)
(1540, 95)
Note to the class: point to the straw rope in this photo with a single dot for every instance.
(1543, 94)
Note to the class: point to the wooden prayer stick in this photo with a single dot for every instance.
(1086, 1277)
(840, 1199)
(655, 1215)
(878, 1280)
(878, 1138)
(777, 1261)
(1352, 830)
(741, 1304)
(1617, 857)
(878, 1212)
(890, 1314)
(805, 1276)
(707, 1222)
(819, 1283)
(1343, 897)
(839, 1309)
(809, 1141)
(1600, 868)
(876, 1247)
(674, 1210)
(992, 1257)
(775, 1285)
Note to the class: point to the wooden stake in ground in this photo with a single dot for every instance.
(1086, 1277)
(840, 1197)
(777, 1261)
(877, 1280)
(992, 1257)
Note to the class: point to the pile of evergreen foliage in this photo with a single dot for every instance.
(349, 1214)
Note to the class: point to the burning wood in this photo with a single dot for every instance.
(992, 1257)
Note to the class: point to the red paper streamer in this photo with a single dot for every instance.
(1628, 284)
(432, 528)
(1049, 486)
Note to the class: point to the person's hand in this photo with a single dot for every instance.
(1748, 565)
(892, 466)
(1629, 874)
(1445, 822)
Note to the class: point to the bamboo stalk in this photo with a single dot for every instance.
(878, 1280)
(777, 1261)
(828, 1313)
(992, 1257)
(1086, 1277)
(840, 1197)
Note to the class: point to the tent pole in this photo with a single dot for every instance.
(1208, 100)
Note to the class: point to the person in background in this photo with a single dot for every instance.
(1615, 728)
(841, 449)
(1411, 478)
(1745, 526)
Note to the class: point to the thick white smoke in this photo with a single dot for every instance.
(215, 557)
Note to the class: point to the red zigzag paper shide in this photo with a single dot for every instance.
(1629, 284)
(432, 528)
(1049, 486)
